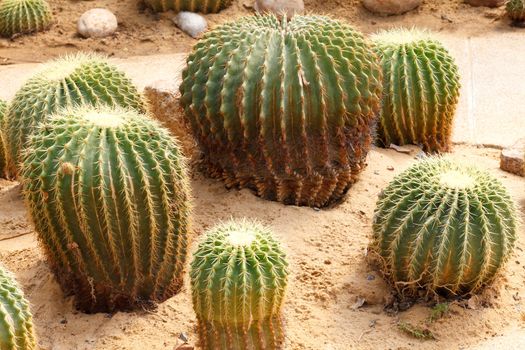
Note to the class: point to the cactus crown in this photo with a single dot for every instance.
(108, 193)
(68, 81)
(24, 16)
(283, 107)
(16, 324)
(443, 226)
(516, 10)
(204, 6)
(420, 89)
(238, 279)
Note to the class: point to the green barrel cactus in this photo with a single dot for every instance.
(443, 227)
(238, 282)
(204, 6)
(65, 82)
(24, 16)
(16, 322)
(516, 10)
(420, 90)
(285, 108)
(108, 193)
(3, 161)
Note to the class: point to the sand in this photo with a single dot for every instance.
(335, 300)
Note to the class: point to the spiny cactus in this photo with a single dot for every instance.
(420, 90)
(3, 107)
(24, 16)
(238, 281)
(283, 107)
(108, 193)
(16, 322)
(204, 6)
(516, 10)
(68, 81)
(444, 227)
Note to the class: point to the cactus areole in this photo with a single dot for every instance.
(65, 82)
(24, 16)
(109, 197)
(204, 6)
(238, 280)
(16, 322)
(443, 227)
(283, 107)
(420, 90)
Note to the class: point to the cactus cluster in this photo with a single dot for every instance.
(285, 108)
(516, 10)
(420, 90)
(108, 193)
(24, 16)
(3, 160)
(204, 6)
(238, 281)
(65, 82)
(443, 227)
(16, 322)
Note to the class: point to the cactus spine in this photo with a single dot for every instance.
(16, 322)
(516, 10)
(420, 90)
(284, 108)
(204, 6)
(443, 227)
(238, 281)
(24, 16)
(108, 193)
(3, 159)
(69, 81)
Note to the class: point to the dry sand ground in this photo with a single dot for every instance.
(326, 248)
(329, 274)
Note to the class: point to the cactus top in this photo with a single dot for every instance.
(238, 274)
(16, 326)
(444, 225)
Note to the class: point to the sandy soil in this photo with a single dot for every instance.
(142, 32)
(329, 275)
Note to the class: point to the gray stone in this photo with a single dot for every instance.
(390, 7)
(191, 23)
(97, 23)
(279, 7)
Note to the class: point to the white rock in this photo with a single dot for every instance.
(390, 7)
(288, 7)
(191, 23)
(97, 23)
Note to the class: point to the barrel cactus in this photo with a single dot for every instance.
(108, 193)
(238, 281)
(68, 81)
(24, 16)
(283, 107)
(516, 10)
(204, 6)
(443, 227)
(420, 90)
(3, 107)
(16, 322)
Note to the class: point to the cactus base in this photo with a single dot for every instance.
(266, 334)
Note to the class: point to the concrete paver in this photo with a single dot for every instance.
(491, 108)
